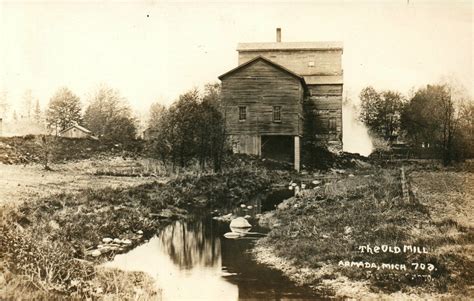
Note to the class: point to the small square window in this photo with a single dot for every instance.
(242, 113)
(277, 113)
(310, 64)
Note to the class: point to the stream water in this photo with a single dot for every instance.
(193, 261)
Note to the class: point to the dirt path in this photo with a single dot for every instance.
(19, 183)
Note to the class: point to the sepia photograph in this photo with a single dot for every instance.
(237, 150)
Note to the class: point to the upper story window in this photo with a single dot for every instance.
(242, 113)
(277, 114)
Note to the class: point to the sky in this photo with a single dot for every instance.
(152, 51)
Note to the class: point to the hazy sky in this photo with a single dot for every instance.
(155, 50)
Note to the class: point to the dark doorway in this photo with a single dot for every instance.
(278, 148)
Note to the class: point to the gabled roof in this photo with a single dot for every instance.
(263, 59)
(77, 127)
(290, 46)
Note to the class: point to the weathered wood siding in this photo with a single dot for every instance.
(325, 103)
(260, 86)
(298, 61)
(246, 144)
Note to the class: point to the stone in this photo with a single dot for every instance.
(247, 216)
(140, 232)
(232, 235)
(347, 230)
(126, 241)
(240, 222)
(243, 206)
(54, 225)
(249, 207)
(96, 253)
(117, 240)
(107, 240)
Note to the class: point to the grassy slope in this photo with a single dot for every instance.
(314, 232)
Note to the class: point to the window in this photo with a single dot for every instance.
(310, 64)
(277, 113)
(332, 124)
(242, 113)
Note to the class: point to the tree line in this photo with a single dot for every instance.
(437, 118)
(108, 114)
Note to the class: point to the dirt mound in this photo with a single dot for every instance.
(33, 148)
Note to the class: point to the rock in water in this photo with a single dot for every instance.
(107, 240)
(240, 222)
(232, 235)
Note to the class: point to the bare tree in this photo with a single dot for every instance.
(64, 110)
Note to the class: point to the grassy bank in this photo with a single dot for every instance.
(47, 244)
(316, 238)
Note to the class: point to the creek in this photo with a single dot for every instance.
(192, 260)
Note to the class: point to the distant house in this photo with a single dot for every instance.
(76, 131)
(280, 92)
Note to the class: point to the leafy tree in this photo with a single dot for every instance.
(433, 117)
(191, 129)
(109, 116)
(64, 110)
(157, 113)
(380, 112)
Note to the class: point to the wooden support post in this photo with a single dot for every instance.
(297, 153)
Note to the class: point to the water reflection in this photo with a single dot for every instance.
(191, 244)
(192, 261)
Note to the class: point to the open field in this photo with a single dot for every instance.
(23, 182)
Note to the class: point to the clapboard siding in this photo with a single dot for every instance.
(260, 86)
(325, 61)
(323, 90)
(325, 104)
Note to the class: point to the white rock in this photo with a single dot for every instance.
(107, 240)
(240, 222)
(249, 207)
(247, 216)
(126, 241)
(117, 240)
(243, 206)
(140, 232)
(232, 235)
(290, 188)
(294, 184)
(316, 182)
(303, 186)
(96, 253)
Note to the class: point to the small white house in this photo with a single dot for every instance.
(76, 131)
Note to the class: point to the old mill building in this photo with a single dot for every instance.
(280, 92)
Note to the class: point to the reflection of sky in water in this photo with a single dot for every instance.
(192, 261)
(185, 264)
